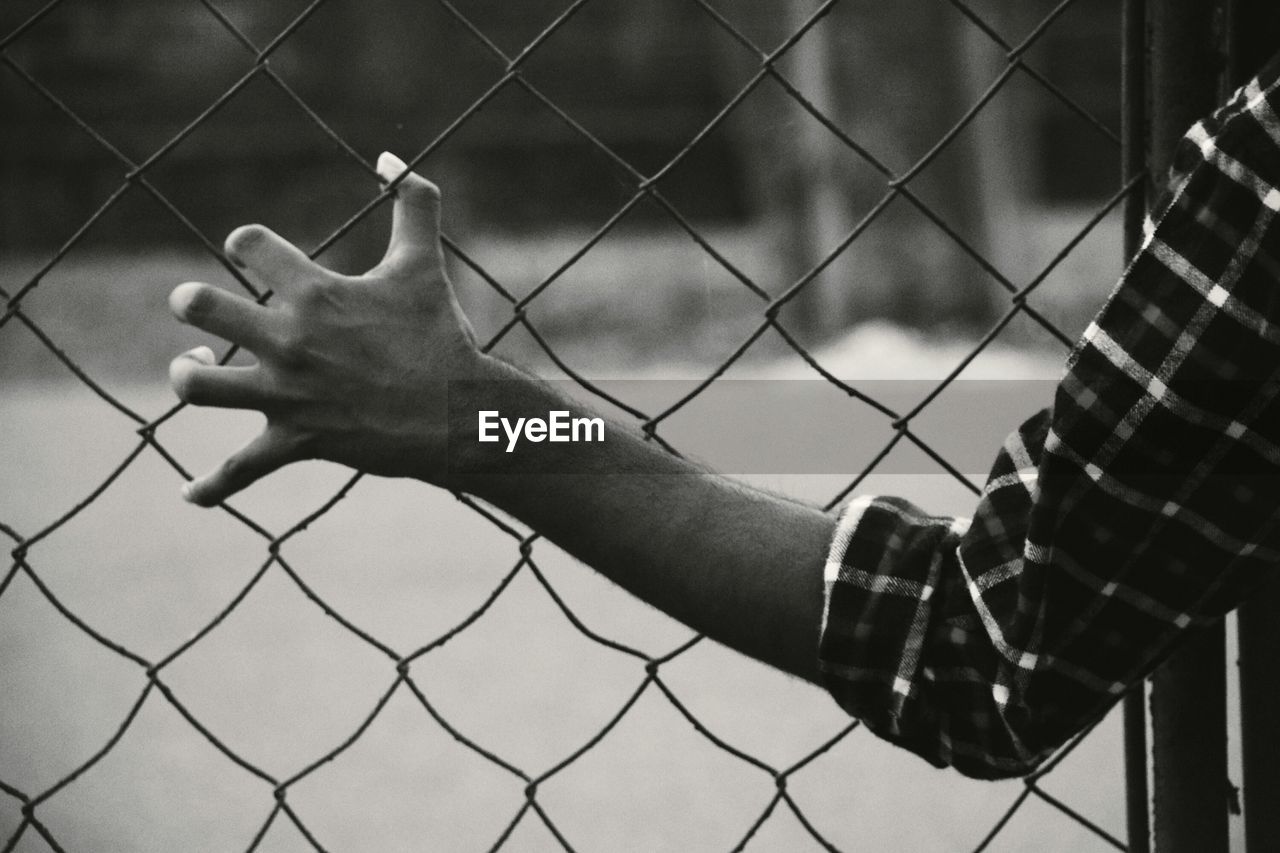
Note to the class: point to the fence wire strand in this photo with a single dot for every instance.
(642, 186)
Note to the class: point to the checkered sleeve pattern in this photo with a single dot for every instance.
(1141, 506)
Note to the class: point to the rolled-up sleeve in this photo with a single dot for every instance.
(1140, 506)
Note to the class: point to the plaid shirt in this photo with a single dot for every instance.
(1142, 505)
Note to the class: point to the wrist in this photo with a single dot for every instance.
(497, 389)
(508, 430)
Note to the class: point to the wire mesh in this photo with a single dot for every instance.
(643, 186)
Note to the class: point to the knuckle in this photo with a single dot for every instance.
(311, 293)
(291, 349)
(291, 344)
(316, 297)
(295, 443)
(233, 468)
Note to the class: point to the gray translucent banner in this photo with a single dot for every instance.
(746, 426)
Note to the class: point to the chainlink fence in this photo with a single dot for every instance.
(268, 798)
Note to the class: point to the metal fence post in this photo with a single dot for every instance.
(1260, 719)
(1133, 156)
(1253, 34)
(1188, 699)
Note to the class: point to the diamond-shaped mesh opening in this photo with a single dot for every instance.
(706, 188)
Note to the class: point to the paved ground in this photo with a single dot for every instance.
(283, 684)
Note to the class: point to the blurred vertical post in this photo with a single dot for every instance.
(1259, 622)
(1188, 696)
(1133, 70)
(1253, 33)
(816, 215)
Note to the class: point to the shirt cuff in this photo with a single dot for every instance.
(905, 644)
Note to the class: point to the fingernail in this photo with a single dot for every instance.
(204, 355)
(187, 493)
(390, 166)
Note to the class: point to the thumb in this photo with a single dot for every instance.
(264, 454)
(415, 218)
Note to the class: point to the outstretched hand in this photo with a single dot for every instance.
(350, 369)
(356, 370)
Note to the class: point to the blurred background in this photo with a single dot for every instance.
(769, 186)
(137, 134)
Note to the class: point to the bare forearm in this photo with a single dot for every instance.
(738, 564)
